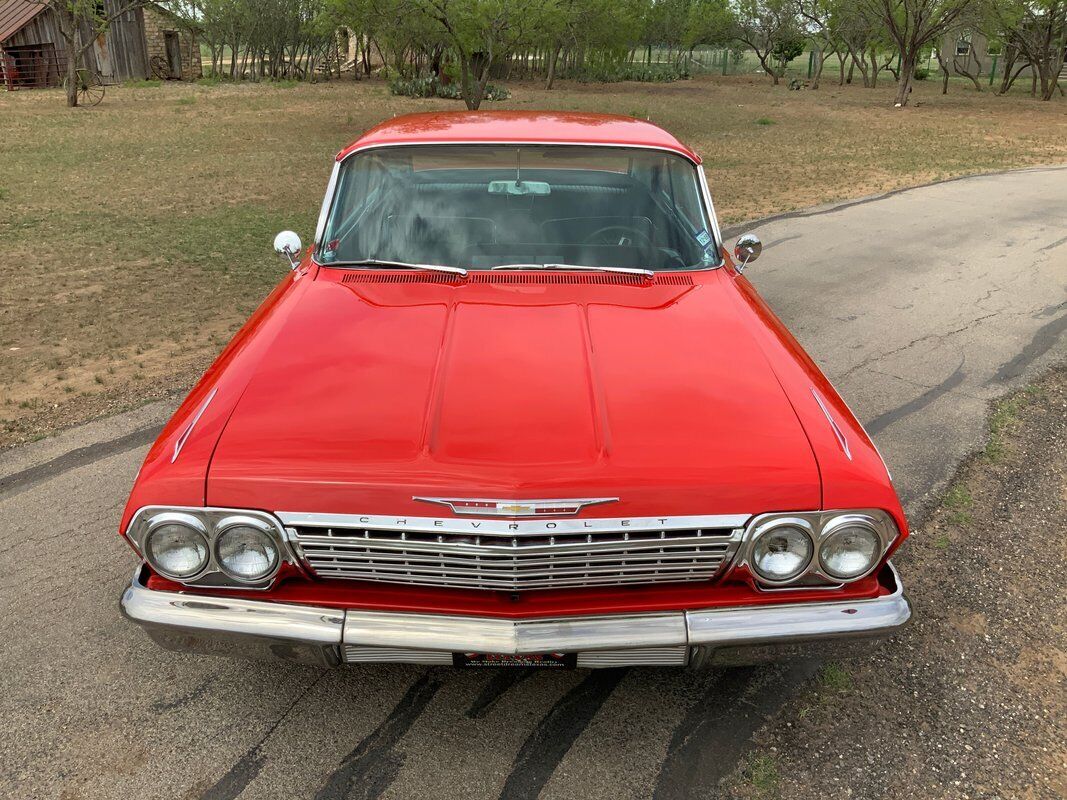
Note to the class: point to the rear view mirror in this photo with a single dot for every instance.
(747, 250)
(520, 188)
(288, 244)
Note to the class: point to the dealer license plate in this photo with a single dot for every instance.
(535, 660)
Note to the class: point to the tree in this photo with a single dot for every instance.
(912, 25)
(818, 18)
(1034, 32)
(859, 31)
(710, 22)
(75, 18)
(481, 31)
(771, 28)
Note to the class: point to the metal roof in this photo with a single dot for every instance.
(16, 13)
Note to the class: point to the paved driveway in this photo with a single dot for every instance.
(921, 306)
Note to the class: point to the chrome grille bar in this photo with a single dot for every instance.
(458, 553)
(635, 657)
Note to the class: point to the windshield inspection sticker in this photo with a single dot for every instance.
(704, 238)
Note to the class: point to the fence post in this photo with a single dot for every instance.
(811, 63)
(993, 70)
(725, 60)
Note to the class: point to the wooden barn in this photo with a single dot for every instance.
(144, 42)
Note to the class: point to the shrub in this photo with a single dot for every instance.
(432, 87)
(921, 73)
(640, 73)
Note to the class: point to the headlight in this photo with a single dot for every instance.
(849, 551)
(246, 553)
(216, 547)
(177, 549)
(782, 552)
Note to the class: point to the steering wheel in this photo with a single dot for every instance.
(621, 236)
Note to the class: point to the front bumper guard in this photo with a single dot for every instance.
(326, 636)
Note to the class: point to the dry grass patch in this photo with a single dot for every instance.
(137, 234)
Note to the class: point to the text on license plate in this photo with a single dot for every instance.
(537, 660)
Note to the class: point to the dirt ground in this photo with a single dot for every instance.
(137, 233)
(971, 701)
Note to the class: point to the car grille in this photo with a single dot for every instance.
(511, 562)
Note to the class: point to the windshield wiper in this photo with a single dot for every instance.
(378, 262)
(624, 270)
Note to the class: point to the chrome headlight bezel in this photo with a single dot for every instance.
(770, 526)
(212, 523)
(822, 525)
(229, 525)
(836, 528)
(182, 520)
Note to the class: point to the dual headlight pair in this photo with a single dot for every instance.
(209, 546)
(838, 547)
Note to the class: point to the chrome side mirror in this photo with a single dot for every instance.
(746, 250)
(288, 244)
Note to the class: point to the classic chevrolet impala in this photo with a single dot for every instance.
(515, 405)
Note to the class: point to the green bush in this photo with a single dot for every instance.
(921, 73)
(640, 73)
(432, 87)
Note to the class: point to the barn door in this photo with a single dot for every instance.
(174, 53)
(103, 57)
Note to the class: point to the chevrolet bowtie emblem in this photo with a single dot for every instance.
(483, 507)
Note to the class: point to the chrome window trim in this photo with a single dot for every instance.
(506, 526)
(327, 202)
(212, 522)
(705, 191)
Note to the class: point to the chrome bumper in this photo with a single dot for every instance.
(309, 634)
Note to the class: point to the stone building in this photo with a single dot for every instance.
(166, 42)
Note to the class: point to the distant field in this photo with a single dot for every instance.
(136, 235)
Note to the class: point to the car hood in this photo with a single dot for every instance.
(380, 388)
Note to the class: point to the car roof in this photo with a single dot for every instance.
(527, 127)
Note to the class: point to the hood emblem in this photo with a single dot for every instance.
(483, 507)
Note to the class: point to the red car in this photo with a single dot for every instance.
(516, 405)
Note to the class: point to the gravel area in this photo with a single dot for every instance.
(970, 701)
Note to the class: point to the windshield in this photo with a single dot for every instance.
(486, 206)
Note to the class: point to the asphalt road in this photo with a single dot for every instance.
(921, 306)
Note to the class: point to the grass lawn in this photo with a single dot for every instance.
(137, 234)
